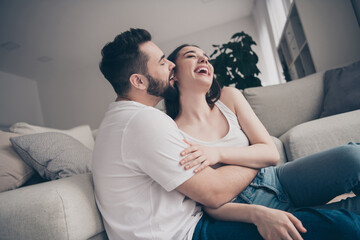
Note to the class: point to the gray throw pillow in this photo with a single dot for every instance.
(53, 155)
(342, 90)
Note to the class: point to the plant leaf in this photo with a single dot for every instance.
(236, 62)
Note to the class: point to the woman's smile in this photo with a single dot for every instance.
(203, 70)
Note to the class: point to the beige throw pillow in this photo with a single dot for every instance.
(81, 133)
(14, 172)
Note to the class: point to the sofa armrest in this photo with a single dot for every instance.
(321, 134)
(280, 147)
(60, 209)
(281, 107)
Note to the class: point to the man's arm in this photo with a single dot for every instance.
(215, 187)
(271, 223)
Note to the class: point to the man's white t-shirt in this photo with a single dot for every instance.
(136, 170)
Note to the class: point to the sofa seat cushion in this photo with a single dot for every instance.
(321, 134)
(60, 209)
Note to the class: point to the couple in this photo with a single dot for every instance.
(148, 181)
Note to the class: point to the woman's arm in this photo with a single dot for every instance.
(261, 153)
(271, 223)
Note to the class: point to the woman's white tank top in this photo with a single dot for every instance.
(234, 137)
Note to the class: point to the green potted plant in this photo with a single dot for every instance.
(235, 62)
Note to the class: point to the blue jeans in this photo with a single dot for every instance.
(266, 190)
(310, 181)
(319, 223)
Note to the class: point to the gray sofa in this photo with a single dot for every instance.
(291, 113)
(65, 208)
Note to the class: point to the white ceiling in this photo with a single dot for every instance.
(71, 33)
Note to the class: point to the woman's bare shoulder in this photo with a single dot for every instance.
(231, 96)
(230, 92)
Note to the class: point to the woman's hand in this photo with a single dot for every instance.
(277, 224)
(198, 154)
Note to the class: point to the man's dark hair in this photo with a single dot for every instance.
(172, 98)
(122, 57)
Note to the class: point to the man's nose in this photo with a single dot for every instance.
(171, 65)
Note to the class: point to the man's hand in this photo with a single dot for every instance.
(275, 224)
(198, 154)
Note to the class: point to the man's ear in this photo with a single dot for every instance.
(138, 81)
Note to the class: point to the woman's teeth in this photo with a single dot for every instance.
(202, 70)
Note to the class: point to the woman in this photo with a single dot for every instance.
(221, 127)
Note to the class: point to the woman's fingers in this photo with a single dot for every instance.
(189, 150)
(189, 142)
(191, 157)
(195, 162)
(203, 165)
(195, 155)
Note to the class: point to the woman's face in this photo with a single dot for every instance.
(193, 68)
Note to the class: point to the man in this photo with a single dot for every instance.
(140, 189)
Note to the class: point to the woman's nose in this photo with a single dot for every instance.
(203, 59)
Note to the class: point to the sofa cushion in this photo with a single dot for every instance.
(281, 107)
(14, 172)
(53, 155)
(82, 133)
(61, 209)
(342, 90)
(321, 134)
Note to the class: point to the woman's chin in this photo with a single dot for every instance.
(206, 81)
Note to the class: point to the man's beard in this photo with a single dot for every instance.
(159, 88)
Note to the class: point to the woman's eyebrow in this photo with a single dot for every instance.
(192, 51)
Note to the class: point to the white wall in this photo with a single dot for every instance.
(76, 98)
(67, 100)
(19, 100)
(219, 35)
